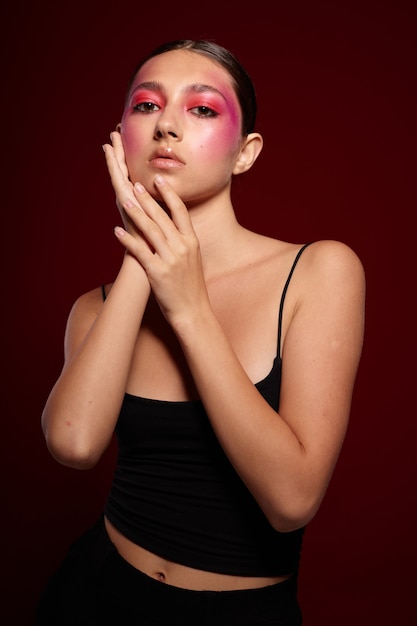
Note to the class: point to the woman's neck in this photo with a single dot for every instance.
(222, 239)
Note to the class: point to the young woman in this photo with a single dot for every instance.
(224, 360)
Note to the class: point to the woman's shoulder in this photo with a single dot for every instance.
(329, 269)
(317, 255)
(322, 267)
(90, 302)
(83, 313)
(332, 257)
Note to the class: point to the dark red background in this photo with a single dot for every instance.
(337, 98)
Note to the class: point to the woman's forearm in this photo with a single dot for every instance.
(83, 406)
(285, 458)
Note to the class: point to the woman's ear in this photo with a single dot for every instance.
(251, 148)
(118, 127)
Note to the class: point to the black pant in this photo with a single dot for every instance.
(96, 586)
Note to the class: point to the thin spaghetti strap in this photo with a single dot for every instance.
(103, 292)
(284, 291)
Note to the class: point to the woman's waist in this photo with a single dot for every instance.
(179, 575)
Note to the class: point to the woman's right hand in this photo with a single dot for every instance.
(119, 176)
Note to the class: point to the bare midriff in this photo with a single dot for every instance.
(180, 575)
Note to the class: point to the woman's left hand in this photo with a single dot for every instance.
(168, 250)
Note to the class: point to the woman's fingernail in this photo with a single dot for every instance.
(140, 188)
(160, 180)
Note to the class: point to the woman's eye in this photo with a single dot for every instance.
(145, 107)
(204, 111)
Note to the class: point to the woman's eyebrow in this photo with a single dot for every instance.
(151, 85)
(154, 85)
(202, 88)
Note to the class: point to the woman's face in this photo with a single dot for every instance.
(182, 120)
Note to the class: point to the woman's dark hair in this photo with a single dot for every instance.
(242, 82)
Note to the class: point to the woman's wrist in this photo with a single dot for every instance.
(132, 278)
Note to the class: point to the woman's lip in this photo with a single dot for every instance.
(165, 164)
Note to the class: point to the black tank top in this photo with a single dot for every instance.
(175, 493)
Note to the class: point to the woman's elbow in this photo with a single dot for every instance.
(72, 456)
(292, 515)
(69, 450)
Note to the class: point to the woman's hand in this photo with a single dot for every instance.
(119, 175)
(168, 250)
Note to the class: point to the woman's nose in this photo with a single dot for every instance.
(168, 126)
(164, 132)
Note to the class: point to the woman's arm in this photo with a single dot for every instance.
(285, 459)
(82, 409)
